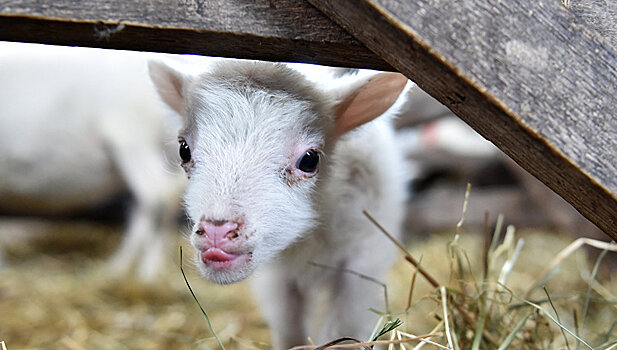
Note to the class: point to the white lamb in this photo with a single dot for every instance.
(279, 173)
(78, 126)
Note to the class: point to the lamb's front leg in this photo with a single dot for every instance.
(283, 305)
(348, 306)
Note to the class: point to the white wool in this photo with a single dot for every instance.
(246, 123)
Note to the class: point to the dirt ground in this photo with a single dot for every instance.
(55, 292)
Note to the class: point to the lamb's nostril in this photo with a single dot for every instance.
(218, 230)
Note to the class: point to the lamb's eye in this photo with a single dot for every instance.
(308, 162)
(185, 152)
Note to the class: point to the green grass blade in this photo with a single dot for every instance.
(515, 331)
(375, 329)
(557, 315)
(607, 336)
(592, 278)
(481, 319)
(199, 304)
(545, 312)
(389, 326)
(612, 346)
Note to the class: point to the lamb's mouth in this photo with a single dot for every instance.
(218, 259)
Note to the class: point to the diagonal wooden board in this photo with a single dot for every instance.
(282, 30)
(525, 74)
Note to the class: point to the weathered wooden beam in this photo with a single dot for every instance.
(600, 16)
(526, 74)
(282, 30)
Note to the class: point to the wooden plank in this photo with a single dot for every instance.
(600, 16)
(283, 30)
(526, 75)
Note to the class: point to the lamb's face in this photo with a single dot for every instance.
(253, 144)
(252, 156)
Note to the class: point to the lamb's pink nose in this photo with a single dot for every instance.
(218, 230)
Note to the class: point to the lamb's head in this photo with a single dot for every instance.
(254, 143)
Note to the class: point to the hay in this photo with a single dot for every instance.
(483, 295)
(62, 299)
(480, 304)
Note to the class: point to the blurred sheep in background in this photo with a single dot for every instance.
(79, 127)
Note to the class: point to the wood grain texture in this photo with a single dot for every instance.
(277, 30)
(527, 75)
(598, 15)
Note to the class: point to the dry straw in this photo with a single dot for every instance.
(463, 292)
(488, 314)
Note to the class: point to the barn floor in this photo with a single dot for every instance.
(55, 293)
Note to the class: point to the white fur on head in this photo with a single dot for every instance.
(247, 124)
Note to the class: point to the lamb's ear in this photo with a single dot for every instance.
(169, 84)
(368, 101)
